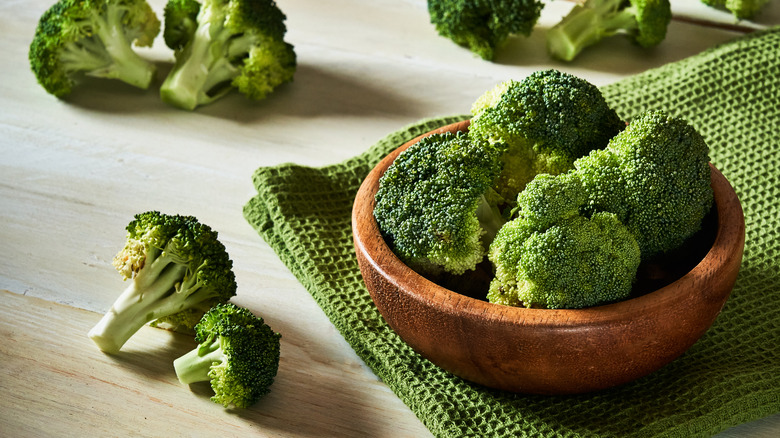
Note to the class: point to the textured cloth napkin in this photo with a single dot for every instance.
(731, 94)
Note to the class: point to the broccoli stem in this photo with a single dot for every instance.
(121, 62)
(200, 68)
(588, 24)
(152, 294)
(195, 365)
(490, 219)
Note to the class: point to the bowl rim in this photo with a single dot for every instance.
(405, 278)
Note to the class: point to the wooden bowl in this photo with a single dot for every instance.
(545, 351)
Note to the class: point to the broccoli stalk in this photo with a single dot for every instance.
(224, 44)
(94, 38)
(644, 21)
(175, 264)
(237, 353)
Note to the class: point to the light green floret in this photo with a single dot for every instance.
(177, 270)
(238, 353)
(221, 45)
(550, 256)
(655, 176)
(93, 38)
(740, 8)
(435, 207)
(541, 125)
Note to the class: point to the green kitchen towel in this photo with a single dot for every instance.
(731, 94)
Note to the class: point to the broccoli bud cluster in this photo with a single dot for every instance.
(576, 198)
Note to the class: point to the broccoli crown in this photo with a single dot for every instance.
(178, 269)
(742, 9)
(483, 25)
(237, 352)
(430, 201)
(541, 125)
(576, 262)
(222, 45)
(655, 177)
(94, 38)
(644, 21)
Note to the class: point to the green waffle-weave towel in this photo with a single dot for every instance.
(731, 93)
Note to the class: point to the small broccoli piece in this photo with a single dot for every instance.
(551, 256)
(483, 25)
(655, 177)
(643, 21)
(434, 205)
(541, 125)
(175, 264)
(741, 9)
(93, 38)
(232, 44)
(238, 353)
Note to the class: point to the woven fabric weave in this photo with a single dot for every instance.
(731, 94)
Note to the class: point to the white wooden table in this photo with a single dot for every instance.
(72, 175)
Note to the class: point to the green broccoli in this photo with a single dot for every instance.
(483, 25)
(238, 353)
(643, 21)
(93, 38)
(551, 256)
(222, 45)
(541, 125)
(741, 9)
(176, 266)
(434, 204)
(655, 177)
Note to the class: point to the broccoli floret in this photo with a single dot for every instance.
(232, 44)
(238, 353)
(655, 177)
(483, 25)
(93, 38)
(434, 205)
(541, 125)
(741, 9)
(551, 256)
(643, 21)
(175, 264)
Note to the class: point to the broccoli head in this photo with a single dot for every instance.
(177, 267)
(237, 352)
(541, 125)
(222, 45)
(741, 9)
(643, 21)
(483, 25)
(551, 256)
(93, 38)
(655, 177)
(434, 204)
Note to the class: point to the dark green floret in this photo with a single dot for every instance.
(483, 26)
(221, 45)
(93, 38)
(237, 352)
(643, 21)
(551, 256)
(655, 176)
(741, 9)
(541, 125)
(435, 207)
(177, 268)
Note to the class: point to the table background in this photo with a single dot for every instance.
(73, 173)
